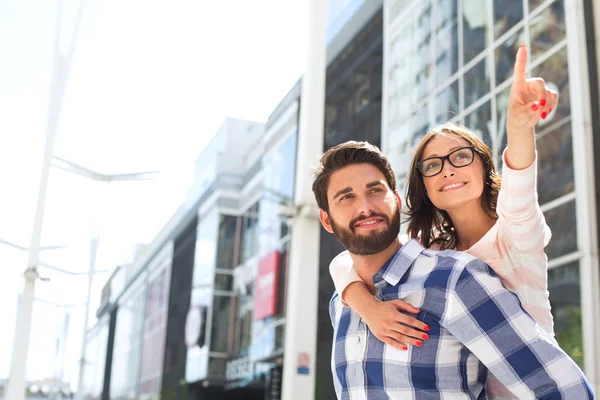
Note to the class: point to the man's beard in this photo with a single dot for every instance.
(373, 243)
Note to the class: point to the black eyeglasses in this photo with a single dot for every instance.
(458, 158)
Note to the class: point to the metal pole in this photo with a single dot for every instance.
(303, 275)
(95, 240)
(60, 70)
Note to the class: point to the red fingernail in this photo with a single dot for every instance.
(543, 102)
(404, 348)
(534, 107)
(426, 337)
(419, 343)
(544, 115)
(426, 329)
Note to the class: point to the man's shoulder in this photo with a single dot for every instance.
(459, 259)
(458, 264)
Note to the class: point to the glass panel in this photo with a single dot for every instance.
(505, 56)
(477, 82)
(555, 72)
(446, 103)
(547, 29)
(278, 181)
(155, 325)
(476, 25)
(221, 323)
(447, 52)
(249, 234)
(533, 4)
(223, 282)
(479, 121)
(125, 372)
(562, 222)
(564, 287)
(555, 164)
(206, 249)
(501, 110)
(446, 11)
(506, 15)
(226, 242)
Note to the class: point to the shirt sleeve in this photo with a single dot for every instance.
(521, 219)
(490, 321)
(343, 273)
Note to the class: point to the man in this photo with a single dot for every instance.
(475, 324)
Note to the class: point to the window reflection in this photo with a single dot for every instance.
(475, 28)
(477, 82)
(250, 233)
(555, 72)
(505, 56)
(507, 13)
(564, 287)
(446, 11)
(562, 222)
(533, 4)
(501, 110)
(547, 29)
(447, 49)
(221, 322)
(479, 122)
(226, 242)
(446, 103)
(555, 164)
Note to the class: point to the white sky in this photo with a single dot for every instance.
(151, 82)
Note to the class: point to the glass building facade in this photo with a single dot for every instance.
(452, 60)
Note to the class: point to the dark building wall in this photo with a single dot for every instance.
(109, 354)
(179, 302)
(353, 112)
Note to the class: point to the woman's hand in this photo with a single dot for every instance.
(392, 327)
(529, 101)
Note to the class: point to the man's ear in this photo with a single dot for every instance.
(399, 200)
(324, 218)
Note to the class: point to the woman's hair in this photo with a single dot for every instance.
(426, 222)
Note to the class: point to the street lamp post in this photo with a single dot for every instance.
(60, 73)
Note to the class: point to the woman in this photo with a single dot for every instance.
(455, 200)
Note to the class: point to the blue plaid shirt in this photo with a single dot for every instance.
(476, 325)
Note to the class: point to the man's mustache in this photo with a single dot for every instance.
(362, 218)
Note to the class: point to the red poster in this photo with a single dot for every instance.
(265, 287)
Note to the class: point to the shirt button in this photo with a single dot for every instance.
(359, 358)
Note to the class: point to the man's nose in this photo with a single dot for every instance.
(364, 206)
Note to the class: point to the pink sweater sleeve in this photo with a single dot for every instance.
(522, 221)
(343, 273)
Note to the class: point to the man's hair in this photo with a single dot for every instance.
(343, 155)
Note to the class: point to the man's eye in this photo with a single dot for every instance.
(346, 197)
(376, 190)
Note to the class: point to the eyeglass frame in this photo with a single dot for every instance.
(447, 157)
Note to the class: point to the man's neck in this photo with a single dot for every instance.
(367, 266)
(471, 224)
